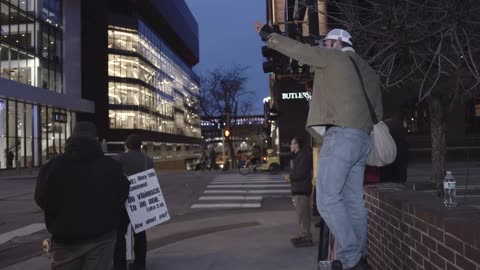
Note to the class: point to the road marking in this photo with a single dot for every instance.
(248, 191)
(469, 187)
(228, 205)
(32, 228)
(247, 182)
(246, 177)
(249, 186)
(213, 198)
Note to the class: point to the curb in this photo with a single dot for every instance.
(181, 236)
(18, 177)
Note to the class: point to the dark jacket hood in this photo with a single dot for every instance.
(82, 147)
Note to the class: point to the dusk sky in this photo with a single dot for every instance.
(227, 37)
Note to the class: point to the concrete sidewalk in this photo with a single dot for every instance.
(256, 241)
(23, 173)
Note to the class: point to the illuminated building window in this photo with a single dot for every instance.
(31, 43)
(161, 85)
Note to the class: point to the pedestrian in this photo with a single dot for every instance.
(213, 158)
(10, 157)
(133, 161)
(203, 160)
(339, 113)
(82, 193)
(301, 185)
(104, 146)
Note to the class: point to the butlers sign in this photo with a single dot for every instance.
(296, 95)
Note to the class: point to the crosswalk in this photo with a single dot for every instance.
(242, 191)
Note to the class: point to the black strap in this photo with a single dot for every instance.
(370, 107)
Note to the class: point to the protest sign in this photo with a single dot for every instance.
(145, 204)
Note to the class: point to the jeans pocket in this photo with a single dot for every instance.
(348, 146)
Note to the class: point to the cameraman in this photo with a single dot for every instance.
(338, 113)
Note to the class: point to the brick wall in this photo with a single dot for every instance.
(412, 230)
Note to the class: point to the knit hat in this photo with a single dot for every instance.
(85, 129)
(134, 142)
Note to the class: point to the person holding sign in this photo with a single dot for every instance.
(82, 193)
(133, 161)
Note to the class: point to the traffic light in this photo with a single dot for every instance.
(226, 132)
(277, 63)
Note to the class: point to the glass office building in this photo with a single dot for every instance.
(36, 116)
(125, 65)
(31, 134)
(31, 42)
(149, 87)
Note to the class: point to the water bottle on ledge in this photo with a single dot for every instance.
(449, 190)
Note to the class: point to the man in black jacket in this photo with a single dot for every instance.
(133, 161)
(301, 182)
(82, 193)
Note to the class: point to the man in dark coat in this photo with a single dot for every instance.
(133, 161)
(10, 158)
(301, 184)
(213, 158)
(82, 193)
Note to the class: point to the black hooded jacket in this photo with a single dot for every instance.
(82, 192)
(302, 172)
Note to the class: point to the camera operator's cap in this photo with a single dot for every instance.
(341, 34)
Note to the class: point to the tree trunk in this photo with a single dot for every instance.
(438, 130)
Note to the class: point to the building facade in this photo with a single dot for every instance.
(245, 132)
(125, 65)
(38, 104)
(144, 84)
(288, 97)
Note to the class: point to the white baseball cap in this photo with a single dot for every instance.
(341, 34)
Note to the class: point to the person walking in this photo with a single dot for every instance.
(133, 161)
(10, 158)
(213, 158)
(82, 193)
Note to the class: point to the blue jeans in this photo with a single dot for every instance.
(340, 193)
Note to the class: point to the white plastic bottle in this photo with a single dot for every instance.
(449, 190)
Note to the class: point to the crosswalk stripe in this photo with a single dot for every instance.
(27, 230)
(236, 191)
(248, 186)
(242, 182)
(215, 198)
(228, 205)
(248, 178)
(469, 186)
